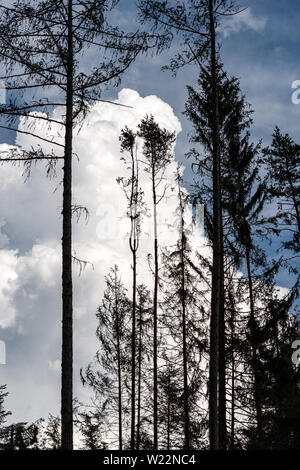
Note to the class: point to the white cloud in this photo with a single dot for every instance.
(30, 291)
(242, 21)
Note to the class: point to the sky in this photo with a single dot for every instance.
(261, 48)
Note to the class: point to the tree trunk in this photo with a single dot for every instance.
(293, 193)
(256, 387)
(133, 242)
(138, 432)
(184, 335)
(67, 301)
(169, 425)
(222, 356)
(119, 375)
(155, 298)
(133, 352)
(232, 424)
(217, 420)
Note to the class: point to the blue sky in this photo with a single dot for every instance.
(265, 59)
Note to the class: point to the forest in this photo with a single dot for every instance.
(198, 346)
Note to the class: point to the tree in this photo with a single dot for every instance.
(3, 413)
(90, 424)
(196, 22)
(280, 420)
(184, 318)
(107, 376)
(51, 434)
(21, 436)
(282, 162)
(157, 150)
(41, 46)
(144, 358)
(134, 197)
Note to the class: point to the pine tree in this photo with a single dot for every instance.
(282, 162)
(3, 413)
(41, 47)
(108, 374)
(184, 319)
(143, 360)
(91, 428)
(157, 151)
(134, 197)
(196, 23)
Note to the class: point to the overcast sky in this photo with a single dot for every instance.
(261, 47)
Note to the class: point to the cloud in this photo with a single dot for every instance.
(242, 21)
(30, 260)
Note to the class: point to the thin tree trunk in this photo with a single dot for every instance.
(293, 192)
(216, 416)
(184, 335)
(133, 246)
(155, 299)
(138, 432)
(133, 353)
(67, 301)
(119, 376)
(256, 391)
(222, 356)
(169, 425)
(232, 427)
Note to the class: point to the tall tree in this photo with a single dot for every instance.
(144, 358)
(184, 319)
(282, 160)
(135, 208)
(157, 150)
(107, 375)
(41, 45)
(196, 22)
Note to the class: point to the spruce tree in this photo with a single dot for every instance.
(41, 47)
(108, 374)
(157, 152)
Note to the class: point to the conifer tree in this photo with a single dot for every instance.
(282, 160)
(157, 151)
(144, 361)
(184, 318)
(107, 375)
(135, 208)
(41, 47)
(196, 22)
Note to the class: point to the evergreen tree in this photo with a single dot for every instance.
(196, 22)
(184, 318)
(282, 162)
(144, 361)
(157, 151)
(108, 374)
(134, 198)
(41, 47)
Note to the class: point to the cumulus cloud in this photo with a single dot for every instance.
(242, 21)
(30, 256)
(30, 260)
